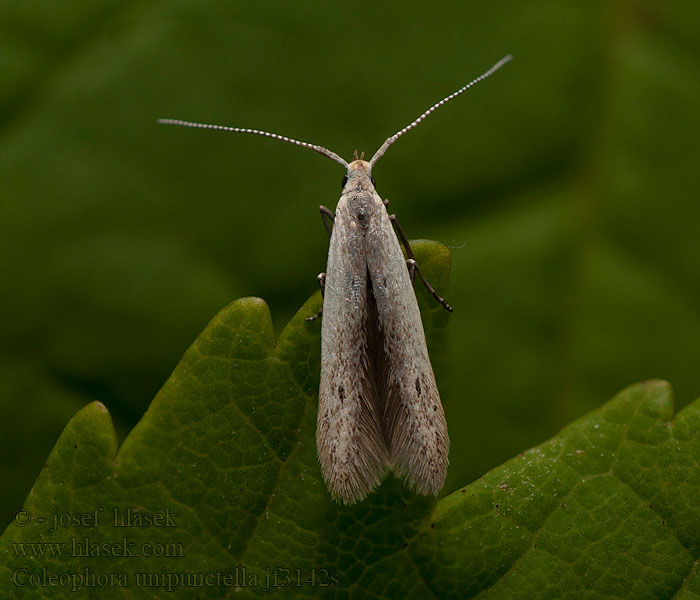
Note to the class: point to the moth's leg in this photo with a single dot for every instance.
(385, 202)
(322, 285)
(326, 215)
(413, 265)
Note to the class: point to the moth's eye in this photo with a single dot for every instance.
(371, 178)
(345, 180)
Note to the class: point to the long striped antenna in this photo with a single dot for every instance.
(325, 151)
(275, 136)
(385, 146)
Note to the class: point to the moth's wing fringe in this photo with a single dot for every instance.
(419, 453)
(353, 458)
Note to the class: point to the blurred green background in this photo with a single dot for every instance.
(566, 186)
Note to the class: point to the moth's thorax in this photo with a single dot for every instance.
(359, 192)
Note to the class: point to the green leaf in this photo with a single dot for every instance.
(225, 456)
(565, 186)
(606, 509)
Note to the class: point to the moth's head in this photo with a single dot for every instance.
(359, 174)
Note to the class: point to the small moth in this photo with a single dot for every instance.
(378, 404)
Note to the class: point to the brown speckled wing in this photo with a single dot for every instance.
(413, 420)
(349, 440)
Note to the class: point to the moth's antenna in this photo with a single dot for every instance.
(276, 136)
(379, 153)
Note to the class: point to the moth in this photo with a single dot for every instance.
(378, 404)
